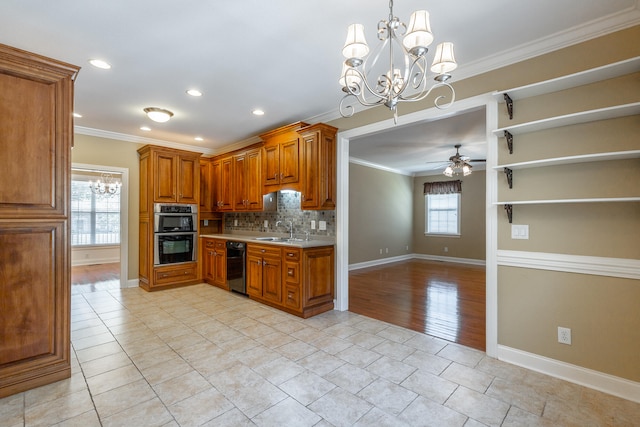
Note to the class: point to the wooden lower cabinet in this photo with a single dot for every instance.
(176, 274)
(214, 262)
(299, 281)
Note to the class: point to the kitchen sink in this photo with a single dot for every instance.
(278, 239)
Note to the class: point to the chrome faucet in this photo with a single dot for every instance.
(290, 228)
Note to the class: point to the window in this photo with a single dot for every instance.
(95, 220)
(442, 214)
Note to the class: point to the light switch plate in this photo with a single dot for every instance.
(519, 231)
(322, 225)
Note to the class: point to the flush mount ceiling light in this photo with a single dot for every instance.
(145, 128)
(77, 116)
(194, 92)
(159, 115)
(199, 138)
(372, 82)
(258, 112)
(99, 63)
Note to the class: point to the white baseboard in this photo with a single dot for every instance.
(380, 261)
(92, 261)
(133, 283)
(606, 383)
(383, 261)
(450, 259)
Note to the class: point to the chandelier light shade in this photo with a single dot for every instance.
(159, 115)
(371, 80)
(106, 186)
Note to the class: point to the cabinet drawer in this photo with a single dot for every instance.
(264, 250)
(176, 274)
(292, 297)
(292, 272)
(290, 254)
(209, 244)
(220, 244)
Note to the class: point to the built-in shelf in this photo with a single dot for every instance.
(508, 205)
(581, 78)
(593, 75)
(558, 201)
(572, 119)
(584, 158)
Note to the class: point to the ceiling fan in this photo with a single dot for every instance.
(459, 164)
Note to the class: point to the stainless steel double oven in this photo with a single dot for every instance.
(175, 231)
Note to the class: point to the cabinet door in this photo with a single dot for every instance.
(271, 165)
(220, 270)
(272, 279)
(226, 187)
(208, 259)
(206, 184)
(239, 182)
(254, 188)
(165, 168)
(311, 182)
(317, 276)
(289, 161)
(254, 275)
(216, 179)
(188, 178)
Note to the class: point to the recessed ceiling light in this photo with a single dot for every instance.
(145, 128)
(199, 138)
(194, 92)
(258, 112)
(99, 63)
(159, 115)
(76, 115)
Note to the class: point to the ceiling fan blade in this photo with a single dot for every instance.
(476, 160)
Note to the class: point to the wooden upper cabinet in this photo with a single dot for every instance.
(281, 158)
(206, 186)
(239, 182)
(225, 188)
(247, 185)
(175, 175)
(318, 167)
(188, 179)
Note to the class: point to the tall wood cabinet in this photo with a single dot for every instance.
(36, 135)
(166, 176)
(281, 158)
(318, 167)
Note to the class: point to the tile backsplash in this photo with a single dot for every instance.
(288, 203)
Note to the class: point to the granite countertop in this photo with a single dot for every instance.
(313, 242)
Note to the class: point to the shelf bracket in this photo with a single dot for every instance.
(509, 173)
(509, 209)
(509, 137)
(509, 102)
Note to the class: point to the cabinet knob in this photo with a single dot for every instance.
(302, 196)
(262, 250)
(281, 176)
(275, 175)
(290, 272)
(264, 262)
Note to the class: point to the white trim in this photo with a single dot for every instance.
(133, 283)
(486, 101)
(124, 214)
(599, 266)
(381, 261)
(606, 383)
(365, 163)
(454, 260)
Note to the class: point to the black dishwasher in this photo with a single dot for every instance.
(236, 267)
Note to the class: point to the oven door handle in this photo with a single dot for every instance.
(176, 233)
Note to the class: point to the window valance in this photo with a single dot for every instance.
(443, 187)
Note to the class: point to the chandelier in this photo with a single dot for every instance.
(457, 165)
(106, 186)
(373, 83)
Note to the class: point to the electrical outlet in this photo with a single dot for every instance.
(386, 250)
(266, 223)
(380, 251)
(564, 335)
(446, 249)
(313, 224)
(322, 225)
(206, 222)
(407, 247)
(235, 222)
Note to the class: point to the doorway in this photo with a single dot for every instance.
(99, 224)
(342, 221)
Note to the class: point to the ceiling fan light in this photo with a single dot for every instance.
(159, 115)
(466, 169)
(448, 171)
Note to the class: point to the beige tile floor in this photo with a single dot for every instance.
(199, 356)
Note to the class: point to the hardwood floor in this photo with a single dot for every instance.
(96, 277)
(441, 299)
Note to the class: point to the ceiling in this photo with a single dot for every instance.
(282, 56)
